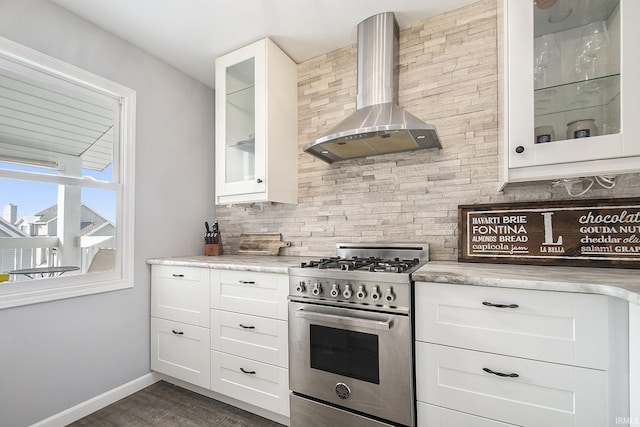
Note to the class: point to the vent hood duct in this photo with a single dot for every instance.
(379, 125)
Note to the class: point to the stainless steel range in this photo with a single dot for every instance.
(351, 336)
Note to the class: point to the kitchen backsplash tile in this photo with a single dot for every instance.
(448, 77)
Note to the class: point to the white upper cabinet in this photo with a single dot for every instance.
(256, 126)
(570, 88)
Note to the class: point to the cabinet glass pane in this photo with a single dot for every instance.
(240, 123)
(576, 68)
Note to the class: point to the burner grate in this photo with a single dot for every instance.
(374, 264)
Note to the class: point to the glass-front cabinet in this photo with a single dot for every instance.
(570, 88)
(256, 125)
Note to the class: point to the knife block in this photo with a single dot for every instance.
(214, 249)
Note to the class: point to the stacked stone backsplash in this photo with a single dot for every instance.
(448, 77)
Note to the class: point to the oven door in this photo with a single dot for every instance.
(352, 358)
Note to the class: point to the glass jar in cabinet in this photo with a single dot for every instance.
(569, 66)
(256, 125)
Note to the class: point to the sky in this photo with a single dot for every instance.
(32, 197)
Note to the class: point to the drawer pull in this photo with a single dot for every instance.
(246, 327)
(500, 374)
(247, 282)
(178, 275)
(490, 304)
(177, 332)
(247, 372)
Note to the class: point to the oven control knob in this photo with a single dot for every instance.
(317, 289)
(389, 296)
(335, 290)
(362, 294)
(347, 292)
(375, 294)
(300, 287)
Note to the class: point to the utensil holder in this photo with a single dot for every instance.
(214, 249)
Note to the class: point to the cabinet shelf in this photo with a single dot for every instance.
(243, 99)
(576, 96)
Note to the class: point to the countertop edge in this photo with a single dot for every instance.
(588, 280)
(263, 264)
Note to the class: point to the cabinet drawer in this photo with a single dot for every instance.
(544, 394)
(181, 351)
(257, 338)
(436, 416)
(258, 294)
(550, 326)
(262, 385)
(180, 294)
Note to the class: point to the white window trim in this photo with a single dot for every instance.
(12, 294)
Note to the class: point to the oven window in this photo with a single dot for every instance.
(343, 352)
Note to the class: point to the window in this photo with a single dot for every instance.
(66, 179)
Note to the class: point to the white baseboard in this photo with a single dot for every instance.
(87, 407)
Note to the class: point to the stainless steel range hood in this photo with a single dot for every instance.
(379, 125)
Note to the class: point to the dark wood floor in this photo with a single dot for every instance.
(164, 404)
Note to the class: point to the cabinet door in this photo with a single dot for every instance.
(533, 394)
(181, 351)
(252, 337)
(240, 121)
(550, 326)
(180, 294)
(257, 294)
(566, 66)
(257, 383)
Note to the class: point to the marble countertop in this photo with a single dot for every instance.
(615, 282)
(260, 263)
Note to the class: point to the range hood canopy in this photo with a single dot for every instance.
(379, 125)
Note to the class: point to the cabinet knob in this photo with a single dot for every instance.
(519, 149)
(259, 180)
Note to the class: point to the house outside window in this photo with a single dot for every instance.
(66, 179)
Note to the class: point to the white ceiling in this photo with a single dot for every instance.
(190, 34)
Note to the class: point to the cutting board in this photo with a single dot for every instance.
(261, 244)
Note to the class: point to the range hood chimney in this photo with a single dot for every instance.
(379, 125)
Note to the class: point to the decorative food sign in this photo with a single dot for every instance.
(596, 233)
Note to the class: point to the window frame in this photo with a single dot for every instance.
(16, 57)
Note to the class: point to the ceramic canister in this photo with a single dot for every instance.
(544, 134)
(581, 128)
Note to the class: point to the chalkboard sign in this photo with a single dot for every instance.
(595, 233)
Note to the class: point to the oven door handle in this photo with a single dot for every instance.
(342, 320)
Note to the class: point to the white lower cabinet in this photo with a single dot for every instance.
(496, 356)
(223, 330)
(181, 351)
(253, 337)
(257, 383)
(181, 294)
(249, 338)
(180, 335)
(543, 394)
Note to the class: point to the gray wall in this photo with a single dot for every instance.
(58, 354)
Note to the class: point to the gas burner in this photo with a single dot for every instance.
(374, 264)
